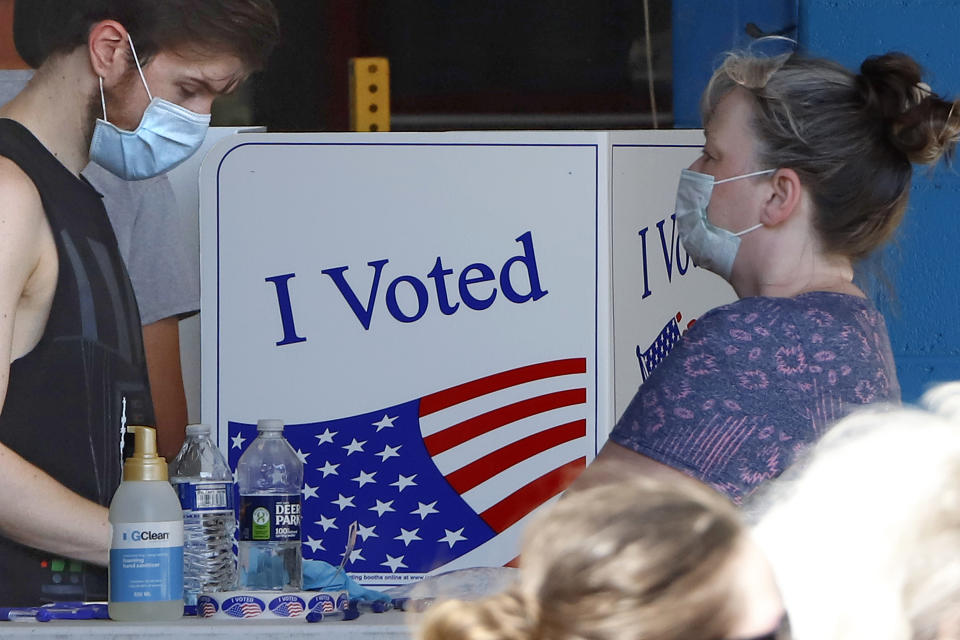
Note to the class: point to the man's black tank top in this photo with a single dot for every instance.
(69, 399)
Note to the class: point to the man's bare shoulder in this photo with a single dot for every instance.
(23, 225)
(21, 214)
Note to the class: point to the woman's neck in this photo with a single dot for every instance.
(789, 274)
(788, 259)
(789, 290)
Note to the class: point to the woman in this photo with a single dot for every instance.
(805, 171)
(865, 542)
(665, 561)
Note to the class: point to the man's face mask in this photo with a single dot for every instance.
(167, 135)
(710, 246)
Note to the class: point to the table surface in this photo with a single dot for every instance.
(392, 625)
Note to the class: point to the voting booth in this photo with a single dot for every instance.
(449, 324)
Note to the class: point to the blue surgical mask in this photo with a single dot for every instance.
(710, 246)
(167, 135)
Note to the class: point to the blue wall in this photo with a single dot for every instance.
(922, 263)
(703, 29)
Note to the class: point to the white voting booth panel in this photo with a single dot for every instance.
(185, 182)
(433, 316)
(657, 291)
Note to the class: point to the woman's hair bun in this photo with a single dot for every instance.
(916, 120)
(504, 616)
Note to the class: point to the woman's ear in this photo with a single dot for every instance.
(109, 50)
(784, 198)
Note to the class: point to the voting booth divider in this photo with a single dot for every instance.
(449, 324)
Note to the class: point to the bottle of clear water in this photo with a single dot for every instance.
(270, 477)
(202, 479)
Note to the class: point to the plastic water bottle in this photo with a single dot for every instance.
(204, 485)
(270, 476)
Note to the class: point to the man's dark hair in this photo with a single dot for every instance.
(248, 29)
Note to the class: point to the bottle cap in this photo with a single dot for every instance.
(144, 464)
(269, 424)
(198, 429)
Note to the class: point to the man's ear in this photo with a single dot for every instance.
(784, 198)
(109, 50)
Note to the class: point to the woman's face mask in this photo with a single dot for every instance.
(167, 135)
(710, 246)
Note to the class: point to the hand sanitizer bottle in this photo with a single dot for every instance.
(146, 555)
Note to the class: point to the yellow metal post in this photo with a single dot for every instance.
(369, 94)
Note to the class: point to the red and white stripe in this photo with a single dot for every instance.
(511, 441)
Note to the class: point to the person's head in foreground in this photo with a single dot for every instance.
(636, 560)
(806, 167)
(865, 541)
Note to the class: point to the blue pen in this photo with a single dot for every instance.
(55, 611)
(373, 606)
(83, 612)
(70, 613)
(412, 604)
(18, 613)
(352, 612)
(24, 613)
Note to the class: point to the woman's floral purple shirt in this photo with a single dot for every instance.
(755, 382)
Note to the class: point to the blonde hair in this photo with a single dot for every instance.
(850, 137)
(636, 560)
(865, 542)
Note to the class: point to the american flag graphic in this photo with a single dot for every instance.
(242, 609)
(666, 339)
(433, 480)
(287, 607)
(206, 607)
(323, 603)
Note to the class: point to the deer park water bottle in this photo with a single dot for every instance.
(270, 478)
(204, 484)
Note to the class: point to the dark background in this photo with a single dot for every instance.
(456, 64)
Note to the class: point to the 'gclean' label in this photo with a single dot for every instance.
(146, 561)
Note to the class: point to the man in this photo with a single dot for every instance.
(128, 83)
(164, 270)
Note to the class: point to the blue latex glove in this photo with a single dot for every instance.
(317, 576)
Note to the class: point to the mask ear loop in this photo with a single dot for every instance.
(139, 68)
(748, 230)
(746, 175)
(103, 101)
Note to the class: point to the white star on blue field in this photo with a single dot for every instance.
(373, 469)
